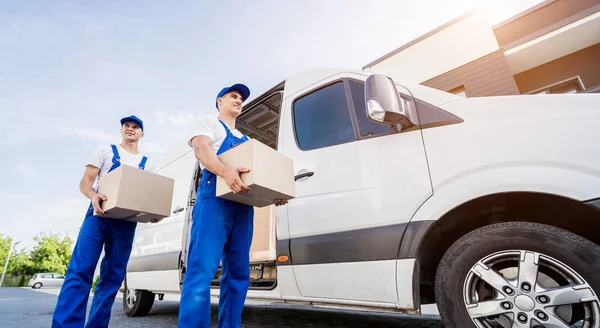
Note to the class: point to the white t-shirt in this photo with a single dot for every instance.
(209, 125)
(102, 158)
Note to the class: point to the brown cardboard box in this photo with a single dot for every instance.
(136, 195)
(271, 174)
(263, 238)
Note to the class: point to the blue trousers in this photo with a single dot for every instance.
(220, 229)
(116, 237)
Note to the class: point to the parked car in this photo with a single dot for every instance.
(406, 195)
(51, 279)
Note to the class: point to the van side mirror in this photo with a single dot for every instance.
(383, 102)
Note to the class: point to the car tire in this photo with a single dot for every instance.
(37, 285)
(524, 261)
(137, 303)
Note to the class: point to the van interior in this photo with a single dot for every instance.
(260, 121)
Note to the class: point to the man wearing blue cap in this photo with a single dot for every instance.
(221, 229)
(96, 232)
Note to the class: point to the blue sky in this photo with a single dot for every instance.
(70, 69)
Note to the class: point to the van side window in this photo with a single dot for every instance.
(322, 118)
(365, 125)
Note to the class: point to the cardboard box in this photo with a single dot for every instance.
(136, 195)
(271, 174)
(263, 238)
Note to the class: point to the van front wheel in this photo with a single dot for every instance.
(519, 274)
(137, 303)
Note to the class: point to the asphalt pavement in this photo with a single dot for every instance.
(25, 307)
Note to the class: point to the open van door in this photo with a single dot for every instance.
(187, 225)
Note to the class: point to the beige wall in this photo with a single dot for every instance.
(442, 51)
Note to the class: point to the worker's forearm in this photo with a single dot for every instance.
(86, 189)
(209, 160)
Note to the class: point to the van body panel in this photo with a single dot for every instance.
(496, 150)
(157, 281)
(347, 280)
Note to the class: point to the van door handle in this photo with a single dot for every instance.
(177, 210)
(304, 175)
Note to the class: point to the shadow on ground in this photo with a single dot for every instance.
(22, 307)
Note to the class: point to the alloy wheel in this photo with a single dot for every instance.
(518, 289)
(131, 297)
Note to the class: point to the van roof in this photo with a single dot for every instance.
(305, 79)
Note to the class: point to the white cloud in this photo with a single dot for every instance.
(97, 135)
(153, 147)
(101, 136)
(28, 29)
(11, 196)
(49, 214)
(174, 118)
(26, 169)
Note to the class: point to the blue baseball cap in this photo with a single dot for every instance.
(133, 118)
(241, 88)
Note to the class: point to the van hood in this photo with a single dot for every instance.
(527, 142)
(556, 107)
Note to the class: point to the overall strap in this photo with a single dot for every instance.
(226, 128)
(229, 133)
(116, 158)
(143, 163)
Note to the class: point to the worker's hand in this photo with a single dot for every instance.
(96, 198)
(232, 178)
(156, 220)
(279, 202)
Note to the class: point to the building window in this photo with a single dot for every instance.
(572, 85)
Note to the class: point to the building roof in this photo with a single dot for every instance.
(423, 37)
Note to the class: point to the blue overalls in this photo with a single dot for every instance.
(117, 238)
(219, 228)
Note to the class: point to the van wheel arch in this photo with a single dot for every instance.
(557, 211)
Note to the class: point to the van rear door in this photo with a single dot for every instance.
(157, 246)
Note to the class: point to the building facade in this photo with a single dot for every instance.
(553, 47)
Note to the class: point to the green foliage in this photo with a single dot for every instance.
(95, 283)
(19, 260)
(51, 253)
(15, 281)
(23, 281)
(5, 243)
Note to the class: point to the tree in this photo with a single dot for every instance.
(51, 253)
(20, 262)
(19, 259)
(5, 243)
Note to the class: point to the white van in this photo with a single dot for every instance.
(407, 195)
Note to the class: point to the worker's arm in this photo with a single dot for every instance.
(202, 146)
(86, 184)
